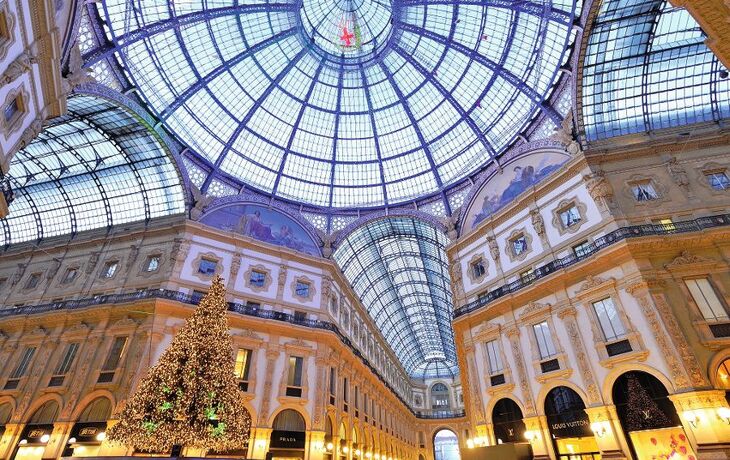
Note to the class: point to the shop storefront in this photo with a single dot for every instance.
(36, 433)
(5, 413)
(89, 431)
(649, 419)
(570, 428)
(329, 447)
(288, 438)
(507, 422)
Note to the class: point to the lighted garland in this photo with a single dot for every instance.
(190, 398)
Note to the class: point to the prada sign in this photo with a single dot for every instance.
(288, 439)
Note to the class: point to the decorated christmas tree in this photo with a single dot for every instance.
(642, 412)
(190, 398)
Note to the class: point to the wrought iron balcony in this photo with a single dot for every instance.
(589, 249)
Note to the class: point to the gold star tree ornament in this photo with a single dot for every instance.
(190, 398)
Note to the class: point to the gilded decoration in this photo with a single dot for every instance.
(565, 205)
(600, 189)
(260, 269)
(6, 28)
(687, 260)
(568, 316)
(513, 335)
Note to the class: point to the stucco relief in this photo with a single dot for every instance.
(568, 315)
(513, 334)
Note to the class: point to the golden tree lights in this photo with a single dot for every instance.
(190, 398)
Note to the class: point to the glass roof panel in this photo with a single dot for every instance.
(647, 68)
(300, 98)
(398, 268)
(94, 167)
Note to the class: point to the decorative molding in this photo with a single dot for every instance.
(564, 205)
(21, 95)
(470, 273)
(513, 333)
(686, 259)
(9, 25)
(535, 309)
(509, 249)
(600, 190)
(659, 188)
(709, 168)
(538, 224)
(310, 291)
(568, 315)
(679, 175)
(594, 283)
(125, 322)
(208, 256)
(267, 278)
(21, 65)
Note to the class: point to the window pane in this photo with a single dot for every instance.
(544, 340)
(495, 360)
(295, 371)
(23, 364)
(115, 354)
(243, 363)
(706, 299)
(68, 359)
(609, 319)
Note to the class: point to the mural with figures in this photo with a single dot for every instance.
(515, 177)
(263, 224)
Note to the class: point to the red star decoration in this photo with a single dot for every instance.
(346, 36)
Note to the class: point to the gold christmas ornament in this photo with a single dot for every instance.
(190, 397)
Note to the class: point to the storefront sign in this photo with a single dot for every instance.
(34, 433)
(288, 439)
(510, 431)
(574, 424)
(88, 432)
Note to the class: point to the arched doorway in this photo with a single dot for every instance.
(329, 447)
(440, 397)
(648, 418)
(89, 430)
(37, 432)
(722, 378)
(570, 428)
(342, 433)
(288, 438)
(446, 445)
(507, 422)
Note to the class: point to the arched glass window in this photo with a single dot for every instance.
(440, 399)
(569, 425)
(99, 410)
(507, 422)
(446, 445)
(289, 420)
(46, 414)
(723, 375)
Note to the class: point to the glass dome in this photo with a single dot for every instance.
(343, 103)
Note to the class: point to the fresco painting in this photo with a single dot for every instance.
(515, 178)
(263, 224)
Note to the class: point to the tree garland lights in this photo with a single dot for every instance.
(190, 398)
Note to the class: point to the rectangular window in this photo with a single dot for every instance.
(707, 300)
(302, 289)
(33, 281)
(112, 360)
(294, 382)
(257, 278)
(494, 357)
(477, 268)
(718, 180)
(519, 245)
(333, 306)
(243, 363)
(544, 340)
(22, 366)
(333, 385)
(64, 366)
(110, 268)
(300, 316)
(582, 249)
(11, 110)
(207, 266)
(70, 275)
(609, 319)
(152, 264)
(569, 216)
(644, 191)
(345, 390)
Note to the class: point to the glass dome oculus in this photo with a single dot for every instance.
(343, 103)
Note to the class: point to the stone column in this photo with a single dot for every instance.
(59, 435)
(314, 446)
(702, 415)
(513, 334)
(259, 442)
(608, 432)
(538, 435)
(568, 316)
(10, 439)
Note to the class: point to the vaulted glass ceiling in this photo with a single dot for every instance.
(399, 269)
(647, 68)
(94, 167)
(343, 103)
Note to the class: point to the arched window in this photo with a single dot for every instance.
(648, 418)
(89, 431)
(446, 445)
(723, 375)
(440, 397)
(569, 425)
(44, 415)
(507, 422)
(6, 411)
(98, 410)
(289, 431)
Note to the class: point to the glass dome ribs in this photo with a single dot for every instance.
(398, 267)
(647, 68)
(343, 103)
(95, 167)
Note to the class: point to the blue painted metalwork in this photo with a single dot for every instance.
(399, 269)
(647, 68)
(394, 117)
(94, 167)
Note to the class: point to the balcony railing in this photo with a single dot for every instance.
(589, 249)
(440, 414)
(242, 309)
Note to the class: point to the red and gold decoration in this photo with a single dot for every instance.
(190, 398)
